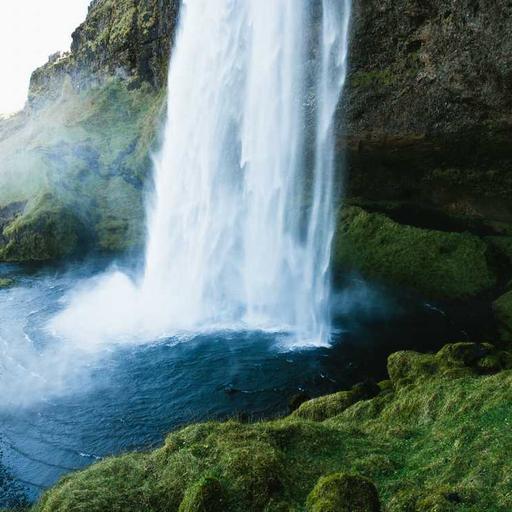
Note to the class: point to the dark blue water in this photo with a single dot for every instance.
(60, 411)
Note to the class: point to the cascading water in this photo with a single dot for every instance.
(241, 223)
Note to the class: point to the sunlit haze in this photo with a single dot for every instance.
(30, 31)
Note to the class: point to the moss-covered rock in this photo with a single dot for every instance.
(206, 495)
(320, 409)
(80, 177)
(341, 492)
(130, 39)
(48, 231)
(296, 400)
(452, 361)
(503, 313)
(6, 282)
(438, 264)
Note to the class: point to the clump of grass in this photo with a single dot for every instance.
(341, 492)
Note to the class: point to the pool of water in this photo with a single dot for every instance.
(62, 408)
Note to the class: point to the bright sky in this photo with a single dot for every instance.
(30, 31)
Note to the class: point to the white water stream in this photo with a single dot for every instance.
(241, 222)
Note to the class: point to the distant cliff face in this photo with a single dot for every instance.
(128, 39)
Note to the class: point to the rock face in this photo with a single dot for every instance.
(429, 105)
(130, 39)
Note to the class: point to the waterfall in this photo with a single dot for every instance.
(240, 224)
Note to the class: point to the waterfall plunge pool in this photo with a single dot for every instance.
(63, 407)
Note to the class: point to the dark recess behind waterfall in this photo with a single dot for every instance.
(427, 114)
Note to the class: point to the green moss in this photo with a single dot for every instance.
(452, 361)
(205, 496)
(385, 385)
(90, 152)
(343, 493)
(121, 481)
(437, 439)
(325, 407)
(503, 312)
(48, 230)
(6, 282)
(376, 78)
(438, 264)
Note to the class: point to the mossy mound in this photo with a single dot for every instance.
(341, 492)
(325, 407)
(452, 361)
(205, 496)
(435, 439)
(438, 264)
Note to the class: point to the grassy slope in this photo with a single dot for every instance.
(435, 439)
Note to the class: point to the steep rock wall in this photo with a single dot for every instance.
(428, 109)
(129, 39)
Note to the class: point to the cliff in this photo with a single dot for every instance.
(425, 126)
(128, 39)
(429, 108)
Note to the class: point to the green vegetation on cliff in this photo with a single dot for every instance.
(503, 313)
(79, 179)
(438, 264)
(433, 439)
